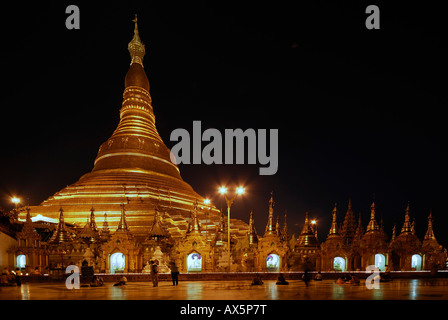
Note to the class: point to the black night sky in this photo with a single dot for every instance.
(359, 112)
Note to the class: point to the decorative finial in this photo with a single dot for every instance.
(136, 47)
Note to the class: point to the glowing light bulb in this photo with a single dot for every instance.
(240, 190)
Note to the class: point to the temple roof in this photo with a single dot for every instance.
(28, 229)
(157, 230)
(307, 237)
(61, 234)
(90, 231)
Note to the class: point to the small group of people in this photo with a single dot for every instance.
(155, 273)
(348, 278)
(10, 278)
(97, 281)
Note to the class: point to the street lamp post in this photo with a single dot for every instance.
(229, 202)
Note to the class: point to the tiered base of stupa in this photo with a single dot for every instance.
(141, 193)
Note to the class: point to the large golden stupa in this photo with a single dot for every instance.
(133, 168)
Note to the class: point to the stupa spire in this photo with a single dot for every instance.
(270, 226)
(28, 231)
(359, 230)
(90, 232)
(407, 225)
(284, 234)
(157, 230)
(136, 47)
(195, 226)
(430, 231)
(123, 225)
(334, 223)
(349, 225)
(373, 225)
(136, 144)
(253, 237)
(394, 233)
(308, 235)
(92, 220)
(61, 234)
(105, 232)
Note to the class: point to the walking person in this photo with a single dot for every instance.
(174, 274)
(155, 273)
(306, 277)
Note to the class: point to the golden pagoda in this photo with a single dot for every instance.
(133, 170)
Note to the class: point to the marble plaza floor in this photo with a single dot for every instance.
(398, 289)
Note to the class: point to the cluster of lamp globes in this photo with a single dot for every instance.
(223, 190)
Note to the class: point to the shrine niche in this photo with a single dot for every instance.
(21, 261)
(339, 264)
(380, 261)
(117, 262)
(194, 262)
(416, 262)
(273, 263)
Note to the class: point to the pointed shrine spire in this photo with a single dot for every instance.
(394, 233)
(373, 225)
(334, 223)
(270, 227)
(430, 232)
(284, 233)
(157, 230)
(105, 231)
(359, 230)
(407, 225)
(123, 225)
(195, 226)
(105, 223)
(28, 231)
(136, 47)
(306, 225)
(61, 234)
(253, 237)
(349, 225)
(308, 235)
(89, 233)
(92, 220)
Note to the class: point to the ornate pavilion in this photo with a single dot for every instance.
(134, 207)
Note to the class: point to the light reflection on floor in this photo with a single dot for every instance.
(399, 289)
